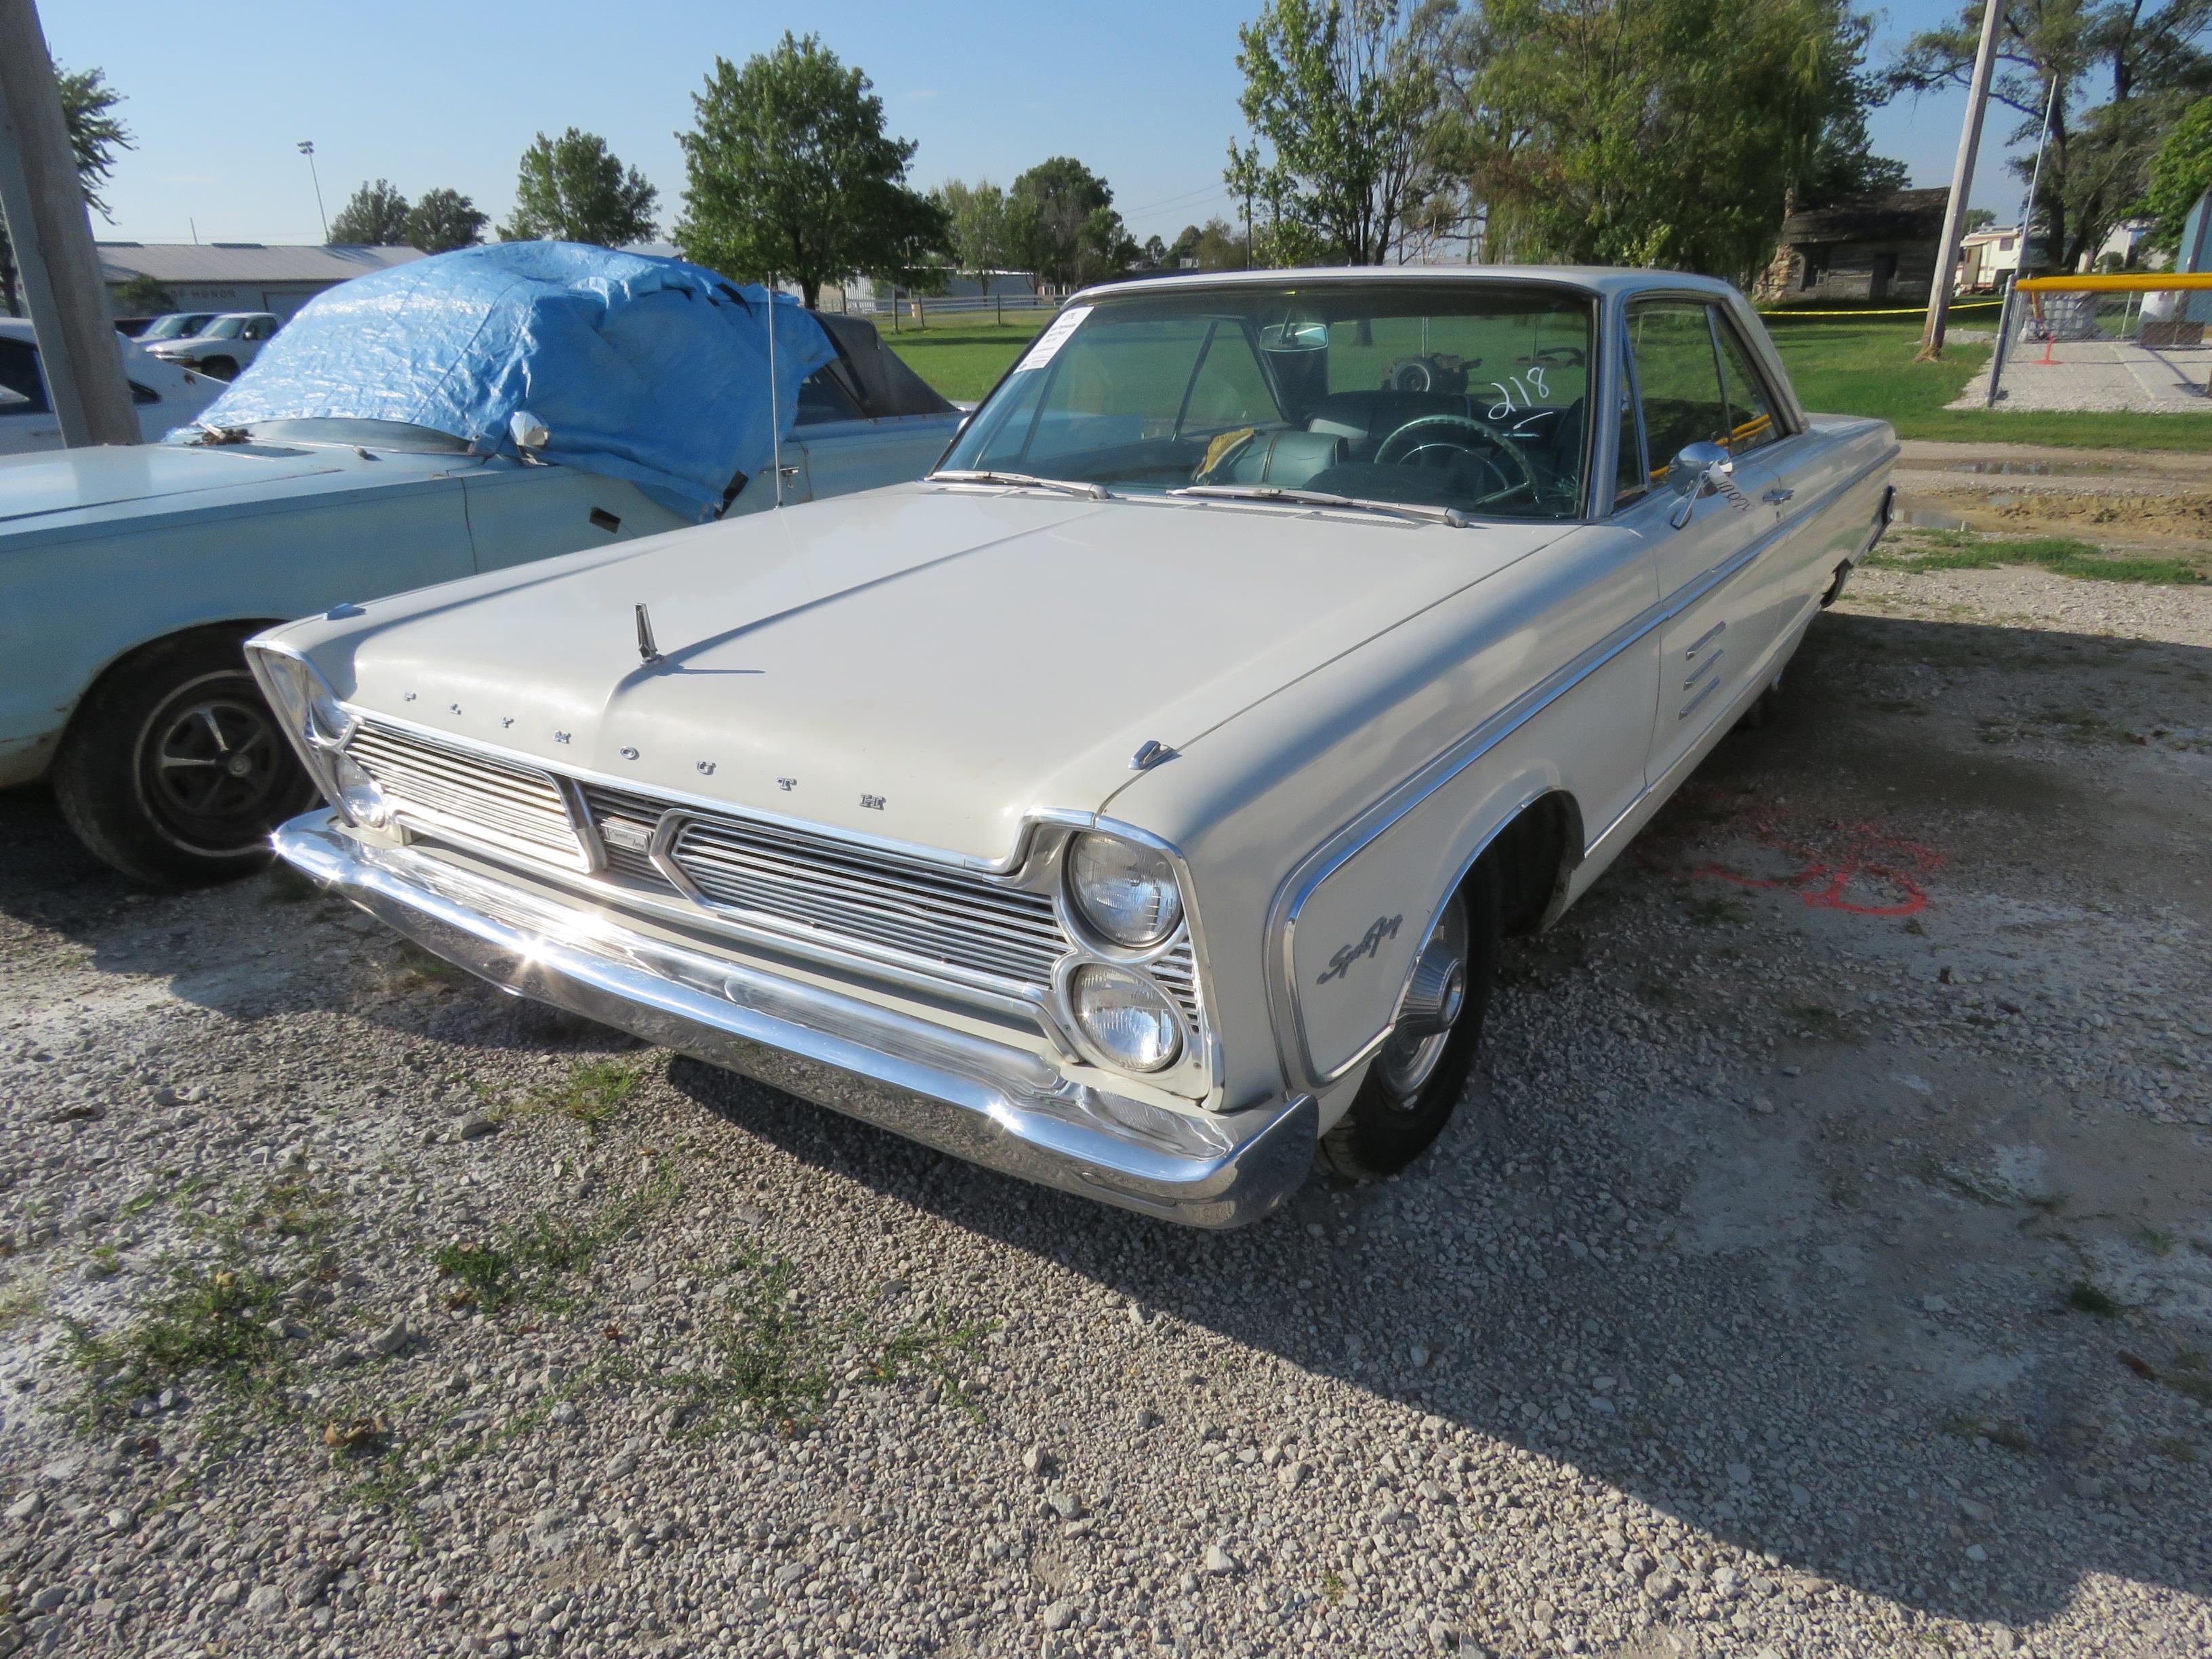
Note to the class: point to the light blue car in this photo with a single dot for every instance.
(453, 416)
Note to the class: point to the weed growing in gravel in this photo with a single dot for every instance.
(1716, 912)
(218, 1322)
(2063, 555)
(768, 1370)
(17, 1303)
(2083, 1297)
(1816, 1021)
(2156, 1241)
(592, 1094)
(532, 1262)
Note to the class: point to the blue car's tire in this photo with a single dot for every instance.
(174, 770)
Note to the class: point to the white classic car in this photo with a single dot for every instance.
(1136, 803)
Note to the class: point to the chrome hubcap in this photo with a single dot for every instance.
(1435, 998)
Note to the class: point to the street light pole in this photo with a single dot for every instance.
(1962, 182)
(307, 149)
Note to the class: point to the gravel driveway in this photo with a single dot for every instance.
(1822, 1266)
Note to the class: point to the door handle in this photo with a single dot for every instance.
(1779, 494)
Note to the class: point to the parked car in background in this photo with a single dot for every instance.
(383, 443)
(1136, 803)
(225, 345)
(165, 395)
(173, 326)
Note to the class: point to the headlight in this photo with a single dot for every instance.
(1128, 892)
(1127, 1018)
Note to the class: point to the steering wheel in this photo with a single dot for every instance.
(1446, 437)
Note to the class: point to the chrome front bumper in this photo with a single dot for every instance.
(989, 1103)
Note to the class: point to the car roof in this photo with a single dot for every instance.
(1603, 280)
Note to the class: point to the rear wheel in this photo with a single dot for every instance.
(1414, 1083)
(174, 770)
(223, 368)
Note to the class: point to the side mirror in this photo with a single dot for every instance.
(1699, 469)
(530, 434)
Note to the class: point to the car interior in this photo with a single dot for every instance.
(1446, 396)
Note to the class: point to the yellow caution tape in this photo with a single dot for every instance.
(1956, 306)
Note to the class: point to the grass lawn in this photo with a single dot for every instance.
(1854, 366)
(965, 361)
(1841, 366)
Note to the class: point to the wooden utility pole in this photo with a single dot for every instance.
(1962, 182)
(51, 230)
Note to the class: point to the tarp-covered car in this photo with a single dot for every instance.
(451, 416)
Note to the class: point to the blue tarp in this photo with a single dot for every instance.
(650, 369)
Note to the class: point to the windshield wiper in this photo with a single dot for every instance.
(1096, 492)
(1419, 513)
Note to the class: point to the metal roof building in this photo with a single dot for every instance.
(241, 276)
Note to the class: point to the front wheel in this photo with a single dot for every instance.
(174, 771)
(1414, 1083)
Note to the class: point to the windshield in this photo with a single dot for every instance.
(177, 326)
(1462, 396)
(225, 328)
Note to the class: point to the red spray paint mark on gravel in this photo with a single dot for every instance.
(1831, 865)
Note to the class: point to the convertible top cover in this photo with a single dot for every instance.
(651, 370)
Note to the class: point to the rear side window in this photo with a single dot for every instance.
(22, 391)
(821, 399)
(1679, 376)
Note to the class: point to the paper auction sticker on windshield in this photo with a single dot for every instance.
(1049, 343)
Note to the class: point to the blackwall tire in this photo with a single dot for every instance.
(174, 770)
(1411, 1091)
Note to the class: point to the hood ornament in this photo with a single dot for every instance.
(1149, 754)
(647, 650)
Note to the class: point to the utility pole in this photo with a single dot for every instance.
(1962, 181)
(52, 231)
(307, 149)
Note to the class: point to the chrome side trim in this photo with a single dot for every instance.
(996, 1105)
(1307, 876)
(1691, 706)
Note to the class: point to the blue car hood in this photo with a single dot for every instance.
(106, 483)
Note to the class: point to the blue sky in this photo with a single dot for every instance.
(1144, 91)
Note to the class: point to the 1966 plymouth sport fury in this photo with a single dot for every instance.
(1136, 803)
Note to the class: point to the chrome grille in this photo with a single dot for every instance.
(790, 881)
(441, 786)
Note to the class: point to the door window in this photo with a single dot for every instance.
(821, 399)
(1679, 376)
(1753, 423)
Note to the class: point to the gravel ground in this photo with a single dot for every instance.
(1820, 1265)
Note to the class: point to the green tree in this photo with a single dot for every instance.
(1340, 96)
(1654, 132)
(96, 133)
(2180, 173)
(143, 296)
(375, 214)
(443, 221)
(2122, 71)
(790, 176)
(574, 189)
(977, 216)
(1061, 227)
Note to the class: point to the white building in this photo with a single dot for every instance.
(1986, 257)
(238, 276)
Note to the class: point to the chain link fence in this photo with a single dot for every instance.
(2105, 343)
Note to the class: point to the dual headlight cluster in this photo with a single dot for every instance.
(318, 727)
(1126, 895)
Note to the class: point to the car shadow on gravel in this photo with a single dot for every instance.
(1730, 1386)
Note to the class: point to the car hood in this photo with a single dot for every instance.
(76, 489)
(926, 664)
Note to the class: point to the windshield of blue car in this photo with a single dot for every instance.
(362, 434)
(1463, 396)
